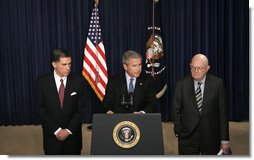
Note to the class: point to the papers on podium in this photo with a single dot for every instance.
(220, 152)
(229, 152)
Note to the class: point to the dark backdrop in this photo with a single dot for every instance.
(31, 29)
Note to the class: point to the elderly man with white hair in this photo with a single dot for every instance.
(200, 113)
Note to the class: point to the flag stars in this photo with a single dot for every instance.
(94, 27)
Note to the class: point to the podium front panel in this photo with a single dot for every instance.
(147, 128)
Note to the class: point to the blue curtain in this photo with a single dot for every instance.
(31, 29)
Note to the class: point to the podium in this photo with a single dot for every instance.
(127, 134)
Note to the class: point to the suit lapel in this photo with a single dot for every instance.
(139, 82)
(53, 90)
(123, 84)
(205, 95)
(68, 90)
(191, 93)
(68, 86)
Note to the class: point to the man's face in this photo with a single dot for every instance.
(134, 67)
(198, 69)
(63, 66)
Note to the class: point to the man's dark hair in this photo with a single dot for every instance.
(130, 54)
(59, 53)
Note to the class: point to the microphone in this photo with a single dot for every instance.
(131, 98)
(127, 100)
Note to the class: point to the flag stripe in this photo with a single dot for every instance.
(99, 86)
(94, 60)
(96, 90)
(92, 72)
(95, 66)
(90, 49)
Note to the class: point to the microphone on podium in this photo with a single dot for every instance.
(127, 101)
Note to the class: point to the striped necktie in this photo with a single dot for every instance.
(199, 97)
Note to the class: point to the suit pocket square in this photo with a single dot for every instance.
(73, 93)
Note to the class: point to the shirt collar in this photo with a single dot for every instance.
(128, 77)
(202, 81)
(58, 78)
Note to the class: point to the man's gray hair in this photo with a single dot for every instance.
(130, 54)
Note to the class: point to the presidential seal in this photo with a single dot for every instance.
(126, 134)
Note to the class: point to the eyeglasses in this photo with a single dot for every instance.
(197, 69)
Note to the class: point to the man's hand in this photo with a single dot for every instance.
(138, 112)
(62, 134)
(110, 112)
(226, 149)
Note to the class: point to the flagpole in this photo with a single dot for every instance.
(97, 79)
(96, 40)
(152, 72)
(153, 19)
(97, 2)
(94, 67)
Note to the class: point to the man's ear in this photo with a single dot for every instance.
(125, 67)
(207, 67)
(54, 64)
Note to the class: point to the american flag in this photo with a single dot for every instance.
(94, 60)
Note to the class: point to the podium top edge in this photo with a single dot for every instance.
(127, 114)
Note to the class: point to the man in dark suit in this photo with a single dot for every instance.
(60, 100)
(200, 113)
(131, 84)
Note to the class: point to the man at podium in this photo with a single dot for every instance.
(130, 91)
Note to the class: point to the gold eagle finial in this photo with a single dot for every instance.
(97, 2)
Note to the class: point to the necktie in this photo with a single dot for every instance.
(199, 97)
(131, 88)
(61, 93)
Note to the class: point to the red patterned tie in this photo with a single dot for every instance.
(61, 93)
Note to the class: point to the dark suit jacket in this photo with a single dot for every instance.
(53, 117)
(213, 122)
(144, 94)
